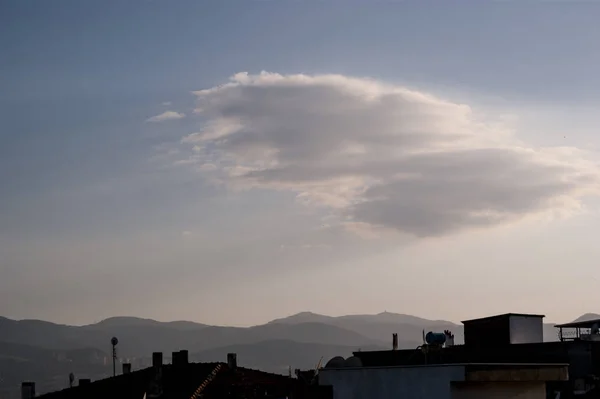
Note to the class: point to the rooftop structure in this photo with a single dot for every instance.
(588, 330)
(504, 329)
(510, 338)
(441, 381)
(502, 316)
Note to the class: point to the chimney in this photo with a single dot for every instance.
(84, 381)
(184, 356)
(157, 360)
(180, 358)
(394, 341)
(126, 368)
(449, 338)
(27, 390)
(232, 361)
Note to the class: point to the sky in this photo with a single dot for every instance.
(232, 162)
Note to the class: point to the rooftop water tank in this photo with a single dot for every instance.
(336, 363)
(435, 338)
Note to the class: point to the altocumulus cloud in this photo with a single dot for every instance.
(165, 116)
(381, 157)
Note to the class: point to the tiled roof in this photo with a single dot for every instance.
(178, 382)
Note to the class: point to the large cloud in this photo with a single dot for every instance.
(381, 156)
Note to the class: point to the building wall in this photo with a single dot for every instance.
(488, 332)
(499, 390)
(526, 329)
(392, 383)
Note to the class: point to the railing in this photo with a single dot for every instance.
(572, 333)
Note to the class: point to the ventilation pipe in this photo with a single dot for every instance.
(157, 360)
(180, 358)
(232, 361)
(184, 356)
(27, 390)
(394, 341)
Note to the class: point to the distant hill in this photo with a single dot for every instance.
(303, 317)
(312, 332)
(48, 368)
(384, 317)
(380, 327)
(122, 321)
(587, 317)
(140, 337)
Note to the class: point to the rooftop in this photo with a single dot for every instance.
(181, 381)
(505, 315)
(555, 352)
(473, 366)
(487, 372)
(579, 324)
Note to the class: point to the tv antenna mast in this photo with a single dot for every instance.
(114, 341)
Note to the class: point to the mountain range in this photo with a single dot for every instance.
(47, 352)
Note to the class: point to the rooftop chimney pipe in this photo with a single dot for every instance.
(27, 390)
(180, 358)
(157, 360)
(184, 356)
(232, 361)
(449, 338)
(394, 341)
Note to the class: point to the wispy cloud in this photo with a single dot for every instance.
(165, 116)
(284, 247)
(383, 157)
(167, 103)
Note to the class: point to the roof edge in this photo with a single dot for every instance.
(574, 324)
(504, 315)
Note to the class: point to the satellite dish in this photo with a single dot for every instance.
(335, 363)
(114, 341)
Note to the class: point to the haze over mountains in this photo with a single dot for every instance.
(46, 352)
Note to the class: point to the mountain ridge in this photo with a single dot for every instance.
(141, 336)
(134, 320)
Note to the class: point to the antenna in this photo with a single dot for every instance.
(319, 364)
(114, 341)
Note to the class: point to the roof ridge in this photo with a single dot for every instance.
(206, 381)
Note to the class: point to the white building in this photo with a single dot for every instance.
(444, 381)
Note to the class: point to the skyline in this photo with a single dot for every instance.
(159, 159)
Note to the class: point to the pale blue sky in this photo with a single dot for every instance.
(98, 217)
